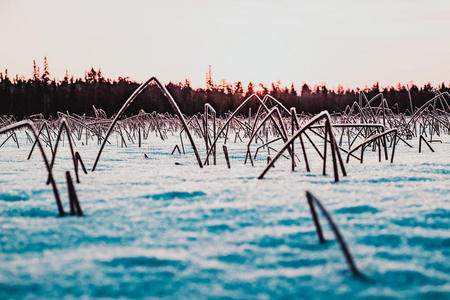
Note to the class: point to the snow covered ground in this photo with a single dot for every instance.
(156, 229)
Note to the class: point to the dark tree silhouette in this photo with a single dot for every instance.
(23, 97)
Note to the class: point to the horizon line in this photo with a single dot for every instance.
(223, 81)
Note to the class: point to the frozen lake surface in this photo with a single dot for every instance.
(155, 229)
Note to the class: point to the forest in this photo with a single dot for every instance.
(22, 97)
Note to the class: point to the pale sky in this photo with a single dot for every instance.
(353, 43)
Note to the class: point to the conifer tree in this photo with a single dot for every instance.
(36, 75)
(45, 74)
(292, 91)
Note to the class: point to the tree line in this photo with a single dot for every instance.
(22, 97)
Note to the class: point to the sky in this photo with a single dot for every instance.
(348, 43)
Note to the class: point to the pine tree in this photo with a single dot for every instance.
(36, 75)
(66, 77)
(90, 76)
(238, 89)
(45, 74)
(293, 92)
(100, 76)
(306, 91)
(187, 83)
(250, 88)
